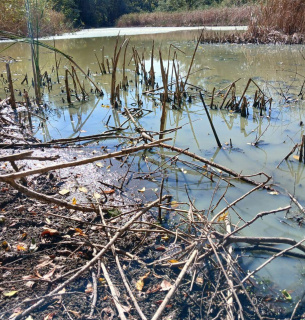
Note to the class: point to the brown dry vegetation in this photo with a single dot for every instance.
(13, 19)
(233, 16)
(280, 18)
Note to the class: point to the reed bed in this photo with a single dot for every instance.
(233, 16)
(283, 16)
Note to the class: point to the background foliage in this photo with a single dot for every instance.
(61, 15)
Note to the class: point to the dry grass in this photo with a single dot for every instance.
(280, 19)
(13, 19)
(234, 16)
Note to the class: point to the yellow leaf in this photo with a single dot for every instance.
(83, 189)
(63, 192)
(99, 164)
(173, 261)
(80, 232)
(166, 237)
(74, 202)
(142, 190)
(174, 204)
(296, 157)
(20, 248)
(10, 293)
(96, 195)
(223, 216)
(140, 282)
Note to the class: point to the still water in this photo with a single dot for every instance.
(278, 70)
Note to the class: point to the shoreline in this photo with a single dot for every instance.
(131, 31)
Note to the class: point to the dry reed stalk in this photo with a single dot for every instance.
(164, 74)
(10, 85)
(82, 87)
(302, 150)
(99, 64)
(117, 51)
(211, 122)
(152, 71)
(67, 87)
(125, 79)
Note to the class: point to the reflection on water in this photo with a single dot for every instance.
(277, 70)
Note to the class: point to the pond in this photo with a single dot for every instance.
(279, 72)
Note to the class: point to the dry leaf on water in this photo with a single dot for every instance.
(142, 190)
(83, 189)
(140, 282)
(296, 157)
(64, 192)
(99, 164)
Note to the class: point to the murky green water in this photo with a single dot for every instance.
(278, 70)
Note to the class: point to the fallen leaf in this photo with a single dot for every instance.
(49, 316)
(5, 245)
(10, 293)
(83, 189)
(75, 313)
(89, 288)
(296, 157)
(142, 190)
(114, 212)
(199, 280)
(50, 232)
(273, 193)
(80, 232)
(63, 192)
(96, 195)
(165, 285)
(223, 216)
(109, 191)
(166, 237)
(140, 282)
(153, 289)
(173, 261)
(20, 247)
(160, 248)
(74, 202)
(286, 295)
(174, 204)
(99, 164)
